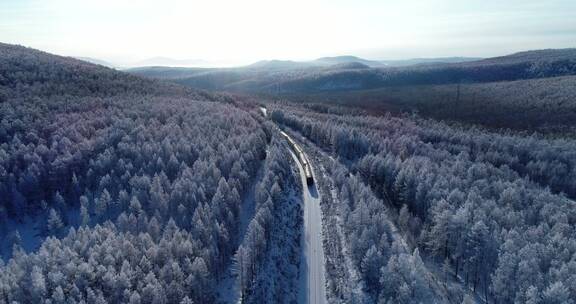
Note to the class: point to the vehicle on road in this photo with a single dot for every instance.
(301, 158)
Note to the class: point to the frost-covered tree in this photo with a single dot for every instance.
(54, 223)
(487, 202)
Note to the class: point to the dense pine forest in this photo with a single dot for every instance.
(133, 187)
(526, 91)
(494, 209)
(119, 188)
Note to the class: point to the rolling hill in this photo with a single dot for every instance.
(115, 188)
(26, 72)
(531, 90)
(288, 77)
(100, 168)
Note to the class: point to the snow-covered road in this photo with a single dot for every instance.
(313, 289)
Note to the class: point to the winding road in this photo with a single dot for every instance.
(312, 278)
(313, 289)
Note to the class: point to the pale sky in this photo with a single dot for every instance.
(244, 31)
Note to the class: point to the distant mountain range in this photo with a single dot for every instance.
(354, 73)
(352, 62)
(345, 60)
(320, 62)
(279, 64)
(339, 60)
(440, 60)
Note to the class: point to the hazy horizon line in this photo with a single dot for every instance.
(207, 63)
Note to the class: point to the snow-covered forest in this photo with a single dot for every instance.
(120, 189)
(494, 210)
(135, 195)
(527, 91)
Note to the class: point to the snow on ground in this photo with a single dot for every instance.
(280, 270)
(355, 284)
(31, 230)
(454, 287)
(312, 272)
(227, 290)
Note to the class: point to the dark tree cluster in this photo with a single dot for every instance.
(546, 105)
(490, 205)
